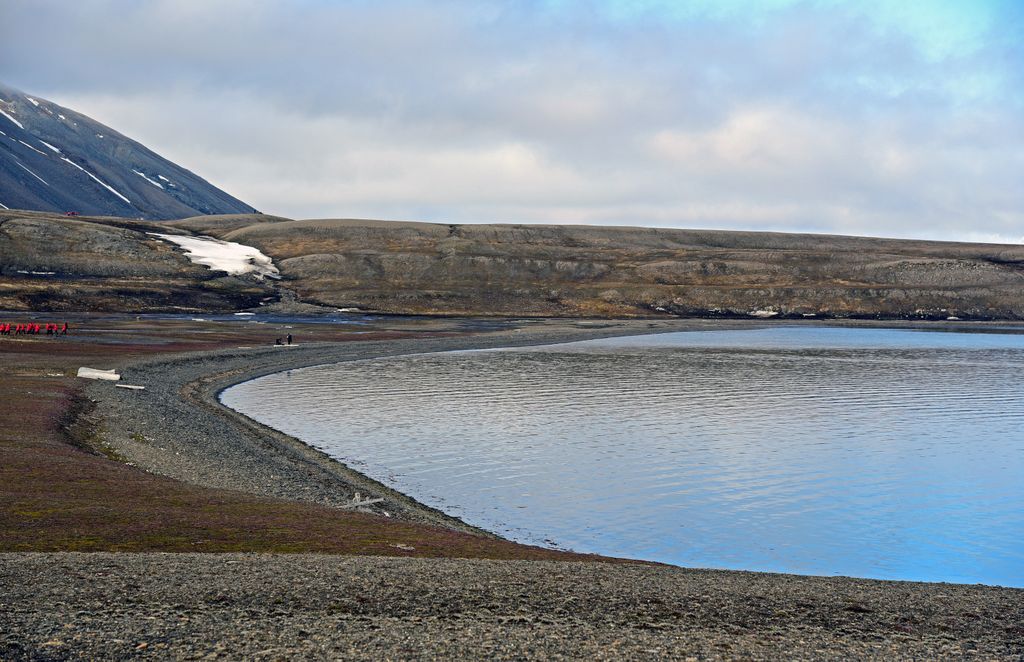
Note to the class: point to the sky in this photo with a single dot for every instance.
(901, 118)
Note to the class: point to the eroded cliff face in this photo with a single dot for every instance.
(607, 271)
(54, 262)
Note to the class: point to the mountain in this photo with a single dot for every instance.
(55, 159)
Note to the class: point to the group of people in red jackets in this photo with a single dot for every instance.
(33, 329)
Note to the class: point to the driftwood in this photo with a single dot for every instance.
(95, 373)
(358, 502)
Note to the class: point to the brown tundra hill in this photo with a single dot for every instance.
(511, 270)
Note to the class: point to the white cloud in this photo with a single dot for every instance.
(807, 116)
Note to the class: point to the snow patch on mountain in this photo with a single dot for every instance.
(224, 255)
(98, 180)
(151, 181)
(39, 151)
(33, 174)
(50, 146)
(20, 125)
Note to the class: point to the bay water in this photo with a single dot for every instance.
(891, 454)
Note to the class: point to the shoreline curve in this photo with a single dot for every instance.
(204, 442)
(191, 436)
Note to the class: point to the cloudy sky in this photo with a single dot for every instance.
(876, 117)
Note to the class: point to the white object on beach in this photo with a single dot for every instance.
(96, 373)
(131, 386)
(359, 502)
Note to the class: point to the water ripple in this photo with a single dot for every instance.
(874, 453)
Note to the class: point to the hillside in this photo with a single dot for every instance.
(614, 271)
(55, 159)
(511, 270)
(51, 262)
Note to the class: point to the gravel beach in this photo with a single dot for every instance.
(206, 606)
(233, 606)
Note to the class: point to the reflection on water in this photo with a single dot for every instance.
(864, 452)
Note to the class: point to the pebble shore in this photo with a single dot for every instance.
(278, 607)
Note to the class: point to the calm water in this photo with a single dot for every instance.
(863, 452)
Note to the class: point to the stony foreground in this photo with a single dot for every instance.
(188, 606)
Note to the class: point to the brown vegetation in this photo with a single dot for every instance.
(62, 489)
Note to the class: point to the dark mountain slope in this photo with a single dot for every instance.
(54, 159)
